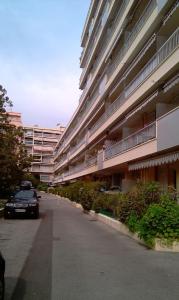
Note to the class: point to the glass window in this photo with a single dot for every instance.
(25, 195)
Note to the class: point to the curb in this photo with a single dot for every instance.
(120, 227)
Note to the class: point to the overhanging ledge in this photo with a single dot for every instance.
(160, 160)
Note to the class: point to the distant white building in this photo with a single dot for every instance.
(40, 143)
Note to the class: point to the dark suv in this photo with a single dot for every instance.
(23, 203)
(2, 271)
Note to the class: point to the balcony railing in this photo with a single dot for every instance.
(170, 45)
(109, 112)
(119, 101)
(97, 33)
(106, 39)
(86, 164)
(58, 178)
(91, 161)
(130, 40)
(145, 134)
(136, 29)
(57, 165)
(75, 148)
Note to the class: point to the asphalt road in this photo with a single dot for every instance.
(67, 255)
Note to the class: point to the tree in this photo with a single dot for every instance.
(13, 156)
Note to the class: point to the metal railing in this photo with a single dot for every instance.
(98, 31)
(91, 161)
(109, 112)
(130, 40)
(106, 39)
(57, 165)
(75, 148)
(77, 169)
(136, 29)
(143, 135)
(169, 46)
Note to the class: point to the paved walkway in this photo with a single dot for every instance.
(72, 257)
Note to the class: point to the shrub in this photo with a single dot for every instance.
(87, 196)
(51, 190)
(138, 200)
(133, 222)
(160, 221)
(99, 203)
(42, 187)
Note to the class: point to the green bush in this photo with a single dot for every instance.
(138, 200)
(160, 221)
(42, 187)
(133, 222)
(87, 195)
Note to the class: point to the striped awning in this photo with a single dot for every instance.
(160, 160)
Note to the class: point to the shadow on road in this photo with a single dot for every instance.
(19, 291)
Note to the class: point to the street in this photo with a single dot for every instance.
(67, 255)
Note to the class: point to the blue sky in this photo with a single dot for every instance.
(39, 57)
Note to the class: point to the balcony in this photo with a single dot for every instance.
(138, 81)
(105, 42)
(99, 28)
(137, 28)
(117, 61)
(169, 46)
(145, 134)
(162, 54)
(60, 163)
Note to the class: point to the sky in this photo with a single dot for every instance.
(39, 57)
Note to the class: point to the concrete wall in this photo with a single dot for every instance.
(168, 131)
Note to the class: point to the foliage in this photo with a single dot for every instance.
(138, 200)
(145, 210)
(160, 221)
(13, 156)
(2, 203)
(133, 222)
(30, 177)
(42, 187)
(51, 190)
(107, 204)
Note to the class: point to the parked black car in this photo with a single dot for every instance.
(2, 271)
(23, 203)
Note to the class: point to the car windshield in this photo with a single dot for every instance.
(24, 195)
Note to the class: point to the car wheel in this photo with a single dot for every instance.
(2, 289)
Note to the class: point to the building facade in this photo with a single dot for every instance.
(126, 125)
(15, 119)
(40, 144)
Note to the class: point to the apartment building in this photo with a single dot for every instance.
(40, 143)
(125, 127)
(15, 118)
